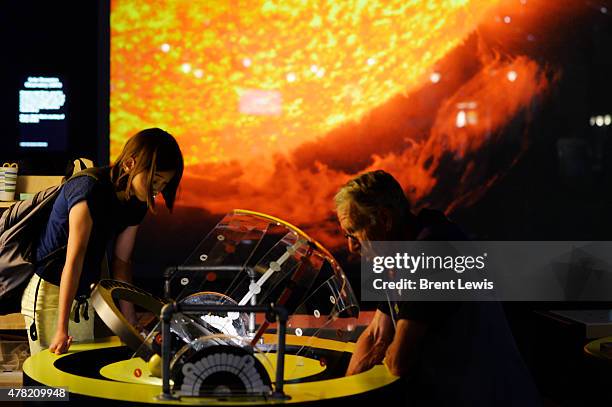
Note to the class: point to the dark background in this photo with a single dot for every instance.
(65, 39)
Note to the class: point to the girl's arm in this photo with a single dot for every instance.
(79, 229)
(121, 267)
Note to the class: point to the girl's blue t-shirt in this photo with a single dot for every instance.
(110, 217)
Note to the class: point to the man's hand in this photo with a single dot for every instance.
(372, 344)
(61, 342)
(376, 355)
(402, 353)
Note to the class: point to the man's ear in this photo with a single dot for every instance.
(386, 218)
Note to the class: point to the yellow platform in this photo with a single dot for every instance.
(594, 348)
(117, 380)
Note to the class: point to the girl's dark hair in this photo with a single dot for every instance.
(152, 150)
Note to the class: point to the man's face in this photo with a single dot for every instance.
(359, 229)
(353, 237)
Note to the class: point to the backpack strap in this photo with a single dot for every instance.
(81, 302)
(33, 331)
(76, 166)
(95, 173)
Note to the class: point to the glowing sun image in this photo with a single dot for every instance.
(255, 90)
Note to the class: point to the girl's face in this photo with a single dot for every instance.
(160, 180)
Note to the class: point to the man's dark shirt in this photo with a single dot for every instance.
(468, 356)
(432, 225)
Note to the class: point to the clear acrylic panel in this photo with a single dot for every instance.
(329, 313)
(255, 259)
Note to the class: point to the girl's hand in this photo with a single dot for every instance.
(61, 342)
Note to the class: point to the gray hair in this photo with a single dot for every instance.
(365, 194)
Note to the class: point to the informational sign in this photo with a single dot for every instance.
(42, 113)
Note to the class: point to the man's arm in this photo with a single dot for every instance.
(79, 229)
(121, 267)
(372, 344)
(402, 353)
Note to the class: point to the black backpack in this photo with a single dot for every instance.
(20, 227)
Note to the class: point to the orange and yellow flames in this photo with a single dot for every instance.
(246, 79)
(249, 88)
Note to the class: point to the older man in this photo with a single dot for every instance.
(459, 354)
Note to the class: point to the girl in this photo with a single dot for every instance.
(90, 211)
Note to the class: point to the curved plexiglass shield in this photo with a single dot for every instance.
(254, 259)
(328, 313)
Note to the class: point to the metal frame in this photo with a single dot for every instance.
(271, 312)
(102, 299)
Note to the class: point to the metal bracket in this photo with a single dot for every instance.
(270, 310)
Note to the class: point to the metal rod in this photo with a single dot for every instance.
(166, 316)
(252, 314)
(280, 358)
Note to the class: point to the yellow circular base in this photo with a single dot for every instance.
(296, 367)
(124, 386)
(594, 348)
